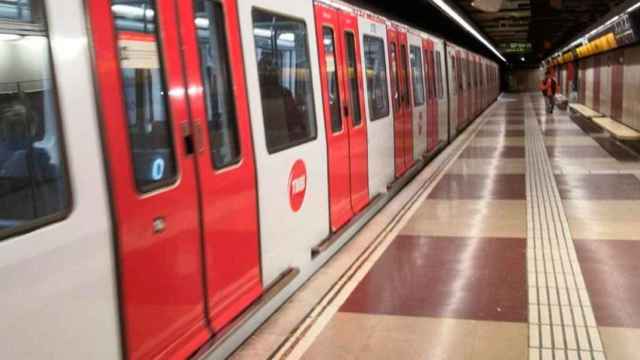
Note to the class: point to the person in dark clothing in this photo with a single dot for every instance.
(282, 117)
(549, 88)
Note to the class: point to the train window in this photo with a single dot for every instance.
(352, 75)
(428, 73)
(454, 74)
(34, 187)
(284, 74)
(218, 89)
(376, 74)
(145, 94)
(332, 78)
(394, 75)
(432, 74)
(404, 91)
(417, 75)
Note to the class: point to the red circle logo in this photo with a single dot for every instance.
(297, 185)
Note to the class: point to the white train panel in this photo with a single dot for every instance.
(419, 94)
(373, 35)
(287, 234)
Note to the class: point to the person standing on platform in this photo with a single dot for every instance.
(549, 88)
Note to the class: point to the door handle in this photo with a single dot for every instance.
(159, 224)
(345, 110)
(198, 137)
(192, 133)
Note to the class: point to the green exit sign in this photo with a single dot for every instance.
(516, 47)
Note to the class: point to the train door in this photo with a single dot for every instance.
(354, 97)
(380, 126)
(398, 110)
(153, 176)
(346, 135)
(401, 100)
(461, 91)
(441, 92)
(223, 154)
(405, 99)
(419, 126)
(468, 114)
(432, 123)
(452, 67)
(281, 64)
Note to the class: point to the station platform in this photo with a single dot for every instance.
(520, 241)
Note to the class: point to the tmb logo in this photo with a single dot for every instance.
(297, 185)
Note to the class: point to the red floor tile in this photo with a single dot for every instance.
(467, 278)
(480, 186)
(611, 271)
(599, 186)
(483, 152)
(506, 133)
(507, 121)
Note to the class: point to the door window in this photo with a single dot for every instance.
(284, 74)
(404, 94)
(417, 75)
(395, 85)
(352, 77)
(332, 79)
(216, 78)
(145, 94)
(376, 75)
(33, 182)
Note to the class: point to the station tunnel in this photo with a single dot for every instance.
(320, 179)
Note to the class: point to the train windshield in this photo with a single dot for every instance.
(33, 187)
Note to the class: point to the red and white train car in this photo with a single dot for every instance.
(175, 169)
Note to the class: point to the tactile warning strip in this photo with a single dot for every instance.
(561, 321)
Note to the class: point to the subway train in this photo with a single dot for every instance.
(165, 164)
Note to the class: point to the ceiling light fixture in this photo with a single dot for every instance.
(455, 16)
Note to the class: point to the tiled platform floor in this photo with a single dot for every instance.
(453, 283)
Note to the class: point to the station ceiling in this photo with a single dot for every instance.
(533, 29)
(520, 29)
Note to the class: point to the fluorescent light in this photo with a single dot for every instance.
(584, 39)
(10, 37)
(455, 16)
(633, 7)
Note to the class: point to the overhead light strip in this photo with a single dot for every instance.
(583, 39)
(460, 20)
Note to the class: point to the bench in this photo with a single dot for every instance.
(584, 111)
(617, 129)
